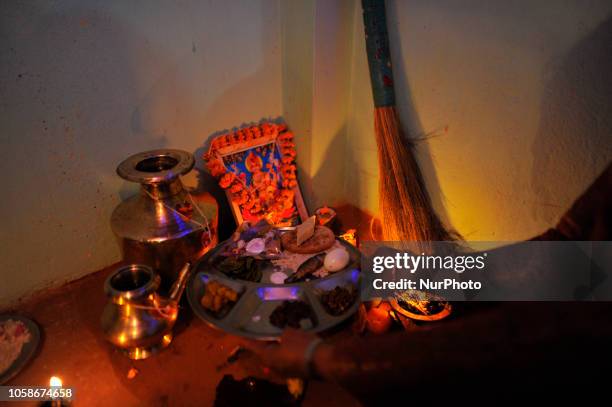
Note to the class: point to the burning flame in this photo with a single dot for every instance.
(55, 381)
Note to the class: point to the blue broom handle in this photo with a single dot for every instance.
(377, 49)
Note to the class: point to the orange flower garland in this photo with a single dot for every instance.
(267, 201)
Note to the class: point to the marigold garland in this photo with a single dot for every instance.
(263, 198)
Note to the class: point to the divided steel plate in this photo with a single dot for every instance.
(249, 316)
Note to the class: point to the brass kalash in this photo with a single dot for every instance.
(160, 230)
(164, 225)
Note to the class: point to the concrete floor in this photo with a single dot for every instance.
(184, 374)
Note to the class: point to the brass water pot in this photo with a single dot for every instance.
(138, 320)
(152, 227)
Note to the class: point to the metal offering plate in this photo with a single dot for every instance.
(249, 315)
(27, 351)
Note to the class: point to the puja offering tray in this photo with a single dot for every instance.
(257, 296)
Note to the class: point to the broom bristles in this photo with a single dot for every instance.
(404, 204)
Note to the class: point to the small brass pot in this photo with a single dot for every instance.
(137, 320)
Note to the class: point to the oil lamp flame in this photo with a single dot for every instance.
(55, 381)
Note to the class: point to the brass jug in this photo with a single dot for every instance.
(138, 320)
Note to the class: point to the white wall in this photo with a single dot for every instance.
(84, 84)
(519, 94)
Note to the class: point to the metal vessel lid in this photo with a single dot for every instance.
(155, 166)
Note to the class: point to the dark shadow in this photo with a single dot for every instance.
(207, 183)
(410, 121)
(329, 180)
(574, 139)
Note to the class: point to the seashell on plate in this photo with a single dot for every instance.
(256, 246)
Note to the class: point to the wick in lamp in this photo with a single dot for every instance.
(55, 383)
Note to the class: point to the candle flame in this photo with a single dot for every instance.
(55, 381)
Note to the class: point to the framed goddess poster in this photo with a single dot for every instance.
(256, 167)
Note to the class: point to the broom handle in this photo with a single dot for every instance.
(377, 49)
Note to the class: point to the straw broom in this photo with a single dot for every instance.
(404, 204)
